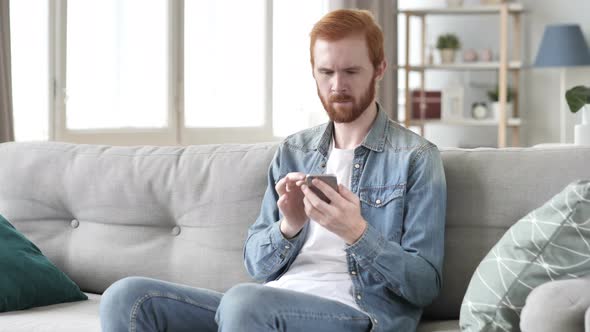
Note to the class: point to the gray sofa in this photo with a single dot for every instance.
(102, 213)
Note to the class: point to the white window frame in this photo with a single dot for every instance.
(175, 133)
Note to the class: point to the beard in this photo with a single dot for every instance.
(348, 113)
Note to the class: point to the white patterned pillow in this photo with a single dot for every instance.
(550, 243)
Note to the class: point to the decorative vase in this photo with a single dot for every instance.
(582, 131)
(469, 55)
(447, 55)
(496, 111)
(486, 55)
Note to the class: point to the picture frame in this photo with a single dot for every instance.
(452, 103)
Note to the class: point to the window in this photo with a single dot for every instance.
(296, 104)
(225, 63)
(30, 72)
(163, 71)
(117, 64)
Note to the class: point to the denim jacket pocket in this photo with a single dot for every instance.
(382, 207)
(380, 196)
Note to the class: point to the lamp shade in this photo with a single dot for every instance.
(563, 45)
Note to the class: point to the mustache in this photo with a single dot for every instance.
(340, 97)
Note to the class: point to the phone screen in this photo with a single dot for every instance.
(330, 179)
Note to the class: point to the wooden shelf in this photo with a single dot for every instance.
(507, 64)
(513, 65)
(463, 10)
(513, 122)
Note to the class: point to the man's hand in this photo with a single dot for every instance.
(341, 217)
(291, 203)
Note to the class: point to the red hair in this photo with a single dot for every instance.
(346, 22)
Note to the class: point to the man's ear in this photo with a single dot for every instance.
(381, 70)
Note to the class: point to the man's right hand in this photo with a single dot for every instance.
(291, 203)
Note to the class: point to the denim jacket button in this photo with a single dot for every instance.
(378, 201)
(357, 166)
(358, 297)
(353, 272)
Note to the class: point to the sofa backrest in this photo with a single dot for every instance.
(181, 214)
(488, 190)
(101, 213)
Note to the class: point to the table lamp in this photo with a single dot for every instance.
(563, 45)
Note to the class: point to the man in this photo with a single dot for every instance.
(368, 260)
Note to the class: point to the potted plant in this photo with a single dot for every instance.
(577, 99)
(447, 44)
(494, 96)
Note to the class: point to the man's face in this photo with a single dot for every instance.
(344, 76)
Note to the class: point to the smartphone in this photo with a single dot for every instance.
(330, 179)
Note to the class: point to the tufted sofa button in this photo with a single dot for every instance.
(75, 223)
(175, 230)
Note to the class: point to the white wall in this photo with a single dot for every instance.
(539, 98)
(541, 95)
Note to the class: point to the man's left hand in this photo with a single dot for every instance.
(341, 217)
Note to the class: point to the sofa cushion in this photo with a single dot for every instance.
(28, 279)
(570, 300)
(63, 317)
(438, 326)
(550, 243)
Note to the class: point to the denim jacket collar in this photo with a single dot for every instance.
(374, 140)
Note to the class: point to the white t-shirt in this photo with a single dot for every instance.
(321, 268)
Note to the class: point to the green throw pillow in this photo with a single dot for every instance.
(27, 278)
(550, 243)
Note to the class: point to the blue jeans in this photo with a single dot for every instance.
(143, 304)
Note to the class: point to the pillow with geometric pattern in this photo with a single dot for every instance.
(550, 243)
(27, 278)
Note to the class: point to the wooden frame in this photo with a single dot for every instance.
(503, 66)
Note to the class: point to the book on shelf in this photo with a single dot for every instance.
(427, 106)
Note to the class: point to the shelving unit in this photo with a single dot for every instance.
(512, 122)
(503, 66)
(512, 65)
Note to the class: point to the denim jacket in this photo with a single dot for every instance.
(396, 265)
